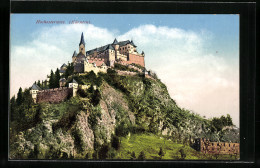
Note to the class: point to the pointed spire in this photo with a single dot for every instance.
(82, 39)
(115, 42)
(74, 54)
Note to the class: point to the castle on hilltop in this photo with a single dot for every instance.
(99, 59)
(96, 60)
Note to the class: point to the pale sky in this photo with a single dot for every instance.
(196, 56)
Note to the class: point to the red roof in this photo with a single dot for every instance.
(98, 61)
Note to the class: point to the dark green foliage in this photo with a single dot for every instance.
(77, 140)
(133, 157)
(39, 83)
(138, 66)
(91, 90)
(96, 97)
(219, 123)
(20, 98)
(115, 143)
(66, 121)
(103, 152)
(24, 113)
(82, 93)
(183, 155)
(94, 155)
(141, 156)
(87, 156)
(64, 155)
(12, 108)
(161, 152)
(124, 68)
(57, 78)
(52, 80)
(69, 71)
(95, 113)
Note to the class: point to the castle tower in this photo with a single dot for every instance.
(74, 85)
(82, 45)
(34, 91)
(115, 44)
(74, 56)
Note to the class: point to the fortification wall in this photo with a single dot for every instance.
(126, 73)
(137, 59)
(55, 95)
(78, 67)
(206, 146)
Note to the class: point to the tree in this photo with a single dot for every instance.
(161, 153)
(12, 108)
(229, 120)
(52, 80)
(103, 151)
(57, 78)
(39, 83)
(19, 99)
(91, 89)
(115, 142)
(141, 156)
(69, 71)
(133, 155)
(183, 155)
(96, 97)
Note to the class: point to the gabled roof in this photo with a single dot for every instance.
(132, 43)
(110, 46)
(81, 55)
(64, 65)
(73, 81)
(122, 43)
(62, 80)
(115, 42)
(82, 40)
(35, 87)
(74, 54)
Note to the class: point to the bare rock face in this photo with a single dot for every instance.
(107, 121)
(84, 131)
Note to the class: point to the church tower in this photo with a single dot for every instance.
(82, 45)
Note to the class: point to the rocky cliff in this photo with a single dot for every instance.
(83, 126)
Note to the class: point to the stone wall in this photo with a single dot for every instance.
(126, 73)
(205, 146)
(78, 67)
(137, 59)
(55, 95)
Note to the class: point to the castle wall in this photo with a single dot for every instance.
(137, 59)
(90, 67)
(78, 67)
(206, 146)
(55, 95)
(126, 73)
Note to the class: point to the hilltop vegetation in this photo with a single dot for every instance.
(117, 117)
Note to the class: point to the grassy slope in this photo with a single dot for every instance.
(150, 144)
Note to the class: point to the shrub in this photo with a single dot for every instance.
(82, 93)
(133, 155)
(115, 142)
(141, 156)
(183, 155)
(161, 152)
(103, 151)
